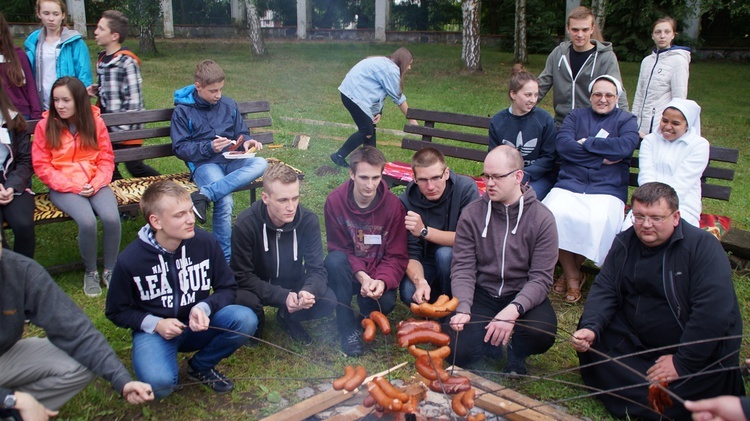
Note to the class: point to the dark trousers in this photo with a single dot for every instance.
(341, 280)
(468, 345)
(323, 307)
(365, 128)
(19, 214)
(135, 168)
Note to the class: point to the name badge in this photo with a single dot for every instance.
(373, 239)
(602, 133)
(4, 136)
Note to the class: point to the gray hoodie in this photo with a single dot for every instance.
(558, 75)
(509, 250)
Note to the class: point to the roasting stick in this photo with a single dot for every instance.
(321, 402)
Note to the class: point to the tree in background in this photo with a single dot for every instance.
(258, 46)
(520, 53)
(471, 53)
(146, 16)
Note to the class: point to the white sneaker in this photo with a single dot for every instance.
(91, 284)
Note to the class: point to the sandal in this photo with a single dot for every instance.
(573, 295)
(560, 286)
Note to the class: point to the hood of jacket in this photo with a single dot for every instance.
(674, 50)
(184, 96)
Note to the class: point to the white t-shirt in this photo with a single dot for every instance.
(49, 70)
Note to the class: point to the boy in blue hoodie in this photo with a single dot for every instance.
(204, 126)
(161, 289)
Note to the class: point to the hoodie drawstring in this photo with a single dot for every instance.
(294, 232)
(520, 213)
(487, 218)
(265, 238)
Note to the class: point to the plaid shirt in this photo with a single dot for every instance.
(120, 84)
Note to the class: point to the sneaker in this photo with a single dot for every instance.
(106, 277)
(200, 206)
(294, 329)
(339, 160)
(351, 345)
(91, 284)
(516, 365)
(211, 378)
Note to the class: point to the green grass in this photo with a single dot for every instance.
(300, 80)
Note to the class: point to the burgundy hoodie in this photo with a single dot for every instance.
(347, 226)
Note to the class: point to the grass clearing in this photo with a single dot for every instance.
(300, 81)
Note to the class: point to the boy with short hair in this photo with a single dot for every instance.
(120, 83)
(206, 124)
(161, 289)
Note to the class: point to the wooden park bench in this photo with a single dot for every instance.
(455, 135)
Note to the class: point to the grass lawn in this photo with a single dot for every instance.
(300, 81)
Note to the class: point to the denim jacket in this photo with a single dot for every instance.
(370, 81)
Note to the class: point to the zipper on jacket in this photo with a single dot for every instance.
(678, 310)
(175, 285)
(645, 94)
(502, 258)
(278, 235)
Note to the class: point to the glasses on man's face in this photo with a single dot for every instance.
(655, 220)
(433, 180)
(496, 177)
(608, 96)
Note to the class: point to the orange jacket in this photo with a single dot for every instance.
(67, 169)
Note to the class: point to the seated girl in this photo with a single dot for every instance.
(72, 155)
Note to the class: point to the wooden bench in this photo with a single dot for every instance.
(128, 191)
(452, 134)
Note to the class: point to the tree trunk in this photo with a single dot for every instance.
(254, 31)
(520, 54)
(597, 8)
(146, 43)
(471, 44)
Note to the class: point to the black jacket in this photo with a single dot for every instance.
(697, 280)
(270, 262)
(17, 169)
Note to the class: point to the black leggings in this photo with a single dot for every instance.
(366, 128)
(19, 214)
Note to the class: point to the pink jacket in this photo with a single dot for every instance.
(67, 169)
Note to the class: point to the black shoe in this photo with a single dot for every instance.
(294, 329)
(212, 378)
(200, 206)
(516, 365)
(351, 345)
(339, 160)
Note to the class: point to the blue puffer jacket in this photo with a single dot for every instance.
(72, 60)
(612, 136)
(196, 123)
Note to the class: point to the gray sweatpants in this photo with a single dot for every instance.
(46, 372)
(84, 211)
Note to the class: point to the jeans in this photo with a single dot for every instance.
(341, 280)
(437, 272)
(217, 182)
(155, 358)
(536, 339)
(365, 134)
(323, 307)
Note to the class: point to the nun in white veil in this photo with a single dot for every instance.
(677, 155)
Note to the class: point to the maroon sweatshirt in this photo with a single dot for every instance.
(347, 228)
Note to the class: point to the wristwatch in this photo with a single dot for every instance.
(423, 233)
(519, 307)
(9, 401)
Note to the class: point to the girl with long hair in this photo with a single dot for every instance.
(17, 76)
(72, 155)
(56, 51)
(363, 91)
(16, 201)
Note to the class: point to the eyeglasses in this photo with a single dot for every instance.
(599, 95)
(655, 220)
(433, 180)
(496, 178)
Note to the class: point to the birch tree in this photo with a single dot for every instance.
(258, 46)
(471, 45)
(520, 54)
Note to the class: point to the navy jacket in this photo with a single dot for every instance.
(613, 136)
(196, 123)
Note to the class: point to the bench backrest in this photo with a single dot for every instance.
(429, 133)
(255, 114)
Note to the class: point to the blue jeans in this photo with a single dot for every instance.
(155, 358)
(341, 280)
(217, 182)
(437, 272)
